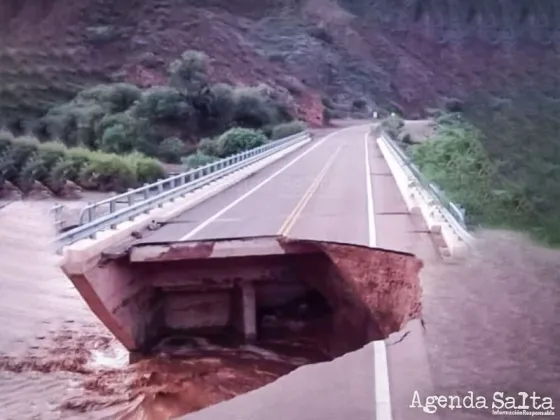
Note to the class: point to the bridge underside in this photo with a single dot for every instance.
(338, 296)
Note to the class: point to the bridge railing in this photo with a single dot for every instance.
(436, 204)
(114, 210)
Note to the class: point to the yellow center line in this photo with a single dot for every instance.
(298, 209)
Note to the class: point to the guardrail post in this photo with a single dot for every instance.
(130, 197)
(90, 214)
(146, 191)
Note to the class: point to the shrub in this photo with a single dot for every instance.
(251, 108)
(237, 140)
(170, 150)
(287, 129)
(116, 97)
(69, 168)
(327, 115)
(222, 108)
(198, 159)
(25, 160)
(87, 118)
(64, 170)
(359, 104)
(6, 139)
(38, 167)
(162, 103)
(456, 161)
(49, 155)
(108, 172)
(453, 105)
(22, 150)
(393, 125)
(405, 139)
(209, 147)
(189, 72)
(327, 102)
(146, 169)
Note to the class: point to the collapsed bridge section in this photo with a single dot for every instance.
(248, 289)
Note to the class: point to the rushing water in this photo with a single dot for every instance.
(58, 361)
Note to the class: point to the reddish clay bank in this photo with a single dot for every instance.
(241, 290)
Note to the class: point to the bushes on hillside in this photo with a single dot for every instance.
(23, 161)
(287, 129)
(122, 118)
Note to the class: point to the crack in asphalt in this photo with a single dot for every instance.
(400, 339)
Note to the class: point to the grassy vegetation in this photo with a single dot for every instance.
(25, 160)
(500, 159)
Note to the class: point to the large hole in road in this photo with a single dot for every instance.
(222, 318)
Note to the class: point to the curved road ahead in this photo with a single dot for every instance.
(336, 188)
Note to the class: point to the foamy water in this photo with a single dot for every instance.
(58, 361)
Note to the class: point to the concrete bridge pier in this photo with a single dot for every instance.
(244, 316)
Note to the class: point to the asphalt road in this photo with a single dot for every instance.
(324, 191)
(268, 201)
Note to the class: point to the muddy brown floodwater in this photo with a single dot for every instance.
(58, 362)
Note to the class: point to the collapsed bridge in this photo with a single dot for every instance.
(346, 295)
(300, 240)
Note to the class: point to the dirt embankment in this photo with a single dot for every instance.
(492, 320)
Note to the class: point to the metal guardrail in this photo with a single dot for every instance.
(435, 193)
(108, 213)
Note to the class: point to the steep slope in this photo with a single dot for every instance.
(403, 54)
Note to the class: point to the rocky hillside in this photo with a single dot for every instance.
(405, 55)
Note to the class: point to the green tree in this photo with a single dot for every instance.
(163, 103)
(171, 149)
(251, 108)
(116, 97)
(237, 140)
(117, 133)
(189, 72)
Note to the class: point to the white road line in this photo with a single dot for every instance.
(372, 240)
(382, 388)
(257, 187)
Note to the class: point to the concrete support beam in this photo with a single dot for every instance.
(245, 312)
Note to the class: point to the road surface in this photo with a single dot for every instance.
(337, 188)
